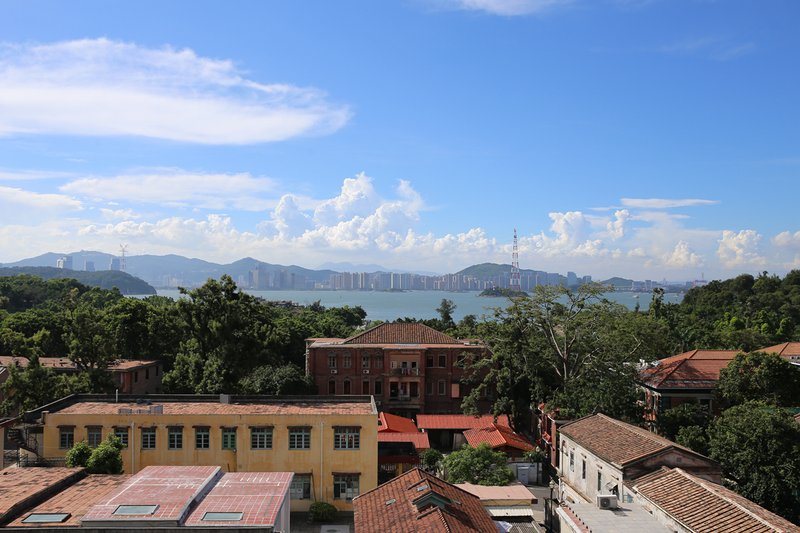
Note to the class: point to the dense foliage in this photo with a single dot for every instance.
(759, 376)
(479, 466)
(216, 338)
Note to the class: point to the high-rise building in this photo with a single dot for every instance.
(64, 262)
(114, 264)
(88, 266)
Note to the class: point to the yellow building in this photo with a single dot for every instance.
(330, 443)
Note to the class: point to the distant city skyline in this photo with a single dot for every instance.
(642, 139)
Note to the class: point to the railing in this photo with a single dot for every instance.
(405, 371)
(36, 461)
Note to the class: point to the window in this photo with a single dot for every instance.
(94, 436)
(429, 362)
(299, 438)
(346, 438)
(221, 517)
(332, 386)
(135, 509)
(599, 481)
(331, 361)
(135, 376)
(379, 361)
(146, 373)
(348, 362)
(364, 361)
(429, 388)
(202, 438)
(148, 438)
(365, 387)
(66, 438)
(583, 469)
(414, 389)
(442, 361)
(378, 388)
(347, 386)
(175, 438)
(261, 438)
(228, 438)
(122, 434)
(301, 487)
(572, 461)
(345, 487)
(442, 387)
(42, 518)
(156, 370)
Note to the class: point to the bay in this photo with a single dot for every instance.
(419, 304)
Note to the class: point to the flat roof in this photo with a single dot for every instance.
(514, 491)
(22, 487)
(628, 518)
(74, 501)
(460, 422)
(166, 492)
(258, 496)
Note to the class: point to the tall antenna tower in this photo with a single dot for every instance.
(123, 249)
(514, 283)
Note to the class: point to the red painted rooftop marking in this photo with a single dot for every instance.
(257, 495)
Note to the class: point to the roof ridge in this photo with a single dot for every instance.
(704, 485)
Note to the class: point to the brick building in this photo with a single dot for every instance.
(409, 368)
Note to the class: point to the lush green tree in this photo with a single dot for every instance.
(78, 455)
(88, 338)
(759, 376)
(686, 414)
(480, 466)
(430, 459)
(106, 458)
(693, 437)
(29, 387)
(758, 447)
(281, 380)
(445, 310)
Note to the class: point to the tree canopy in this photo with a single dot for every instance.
(759, 376)
(479, 466)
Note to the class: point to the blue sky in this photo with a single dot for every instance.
(649, 139)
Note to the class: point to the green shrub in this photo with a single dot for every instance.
(322, 512)
(79, 454)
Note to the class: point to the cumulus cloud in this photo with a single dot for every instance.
(179, 187)
(508, 7)
(665, 203)
(740, 249)
(787, 239)
(682, 256)
(616, 227)
(570, 236)
(101, 87)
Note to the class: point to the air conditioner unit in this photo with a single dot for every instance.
(334, 371)
(365, 371)
(606, 501)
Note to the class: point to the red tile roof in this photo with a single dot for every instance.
(171, 488)
(697, 369)
(257, 495)
(616, 442)
(75, 500)
(417, 501)
(459, 422)
(401, 333)
(65, 363)
(395, 424)
(419, 440)
(19, 487)
(789, 350)
(706, 507)
(278, 407)
(497, 436)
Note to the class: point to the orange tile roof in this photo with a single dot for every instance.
(21, 486)
(419, 440)
(391, 507)
(280, 407)
(75, 500)
(696, 369)
(395, 424)
(513, 491)
(789, 350)
(459, 422)
(67, 364)
(705, 507)
(401, 333)
(497, 437)
(616, 442)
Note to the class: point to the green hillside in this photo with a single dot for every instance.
(104, 279)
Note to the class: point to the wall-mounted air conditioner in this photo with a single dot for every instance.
(334, 371)
(365, 371)
(606, 501)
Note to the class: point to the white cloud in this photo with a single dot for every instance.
(740, 249)
(179, 188)
(616, 227)
(509, 7)
(665, 203)
(31, 175)
(12, 197)
(115, 214)
(106, 88)
(571, 237)
(787, 239)
(682, 256)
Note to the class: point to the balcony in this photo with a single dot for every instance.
(405, 371)
(403, 398)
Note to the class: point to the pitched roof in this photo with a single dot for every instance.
(512, 491)
(703, 506)
(497, 436)
(64, 363)
(419, 440)
(789, 350)
(460, 422)
(418, 501)
(21, 487)
(401, 333)
(696, 369)
(395, 424)
(616, 442)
